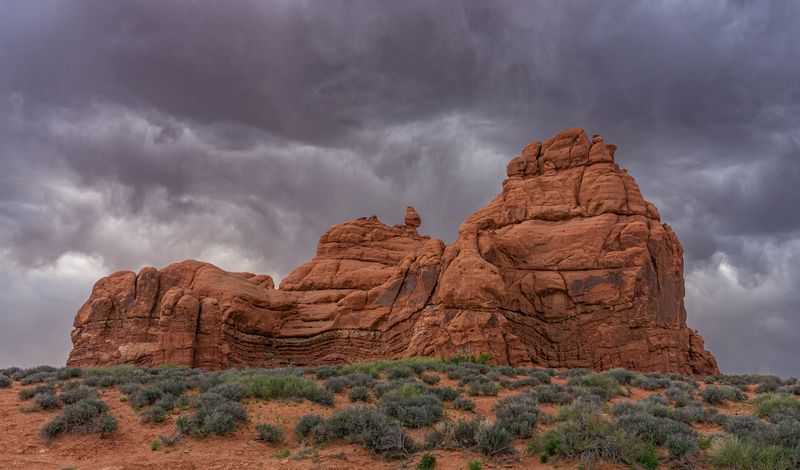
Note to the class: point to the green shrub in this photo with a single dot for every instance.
(463, 403)
(77, 394)
(269, 386)
(427, 462)
(444, 393)
(412, 411)
(682, 444)
(517, 414)
(359, 394)
(28, 393)
(336, 384)
(81, 417)
(46, 401)
(373, 430)
(602, 385)
(269, 433)
(552, 393)
(306, 425)
(5, 382)
(743, 454)
(430, 379)
(716, 395)
(494, 440)
(767, 403)
(652, 428)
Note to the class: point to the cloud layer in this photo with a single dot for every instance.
(145, 133)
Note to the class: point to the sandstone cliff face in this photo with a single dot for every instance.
(567, 267)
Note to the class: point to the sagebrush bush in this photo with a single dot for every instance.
(717, 394)
(46, 401)
(602, 385)
(359, 394)
(444, 393)
(306, 425)
(373, 430)
(552, 393)
(430, 379)
(269, 433)
(77, 394)
(494, 440)
(84, 416)
(336, 384)
(517, 414)
(412, 411)
(652, 428)
(463, 403)
(28, 393)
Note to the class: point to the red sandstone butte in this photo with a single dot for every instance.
(567, 267)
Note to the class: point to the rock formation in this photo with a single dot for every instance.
(567, 267)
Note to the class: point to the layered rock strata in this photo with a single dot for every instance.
(567, 267)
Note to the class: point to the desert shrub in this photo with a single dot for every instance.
(84, 416)
(694, 412)
(28, 393)
(412, 411)
(482, 388)
(214, 415)
(517, 414)
(144, 396)
(430, 379)
(359, 394)
(158, 412)
(743, 454)
(373, 430)
(269, 433)
(622, 376)
(233, 391)
(336, 384)
(401, 386)
(463, 403)
(650, 382)
(494, 440)
(325, 372)
(742, 425)
(269, 386)
(716, 395)
(46, 401)
(360, 380)
(398, 372)
(427, 462)
(444, 393)
(552, 393)
(590, 439)
(602, 385)
(576, 372)
(652, 428)
(306, 425)
(682, 444)
(517, 384)
(767, 403)
(5, 382)
(77, 394)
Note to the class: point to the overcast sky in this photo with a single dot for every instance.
(142, 133)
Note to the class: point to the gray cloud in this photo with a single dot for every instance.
(145, 133)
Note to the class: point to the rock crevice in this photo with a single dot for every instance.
(567, 267)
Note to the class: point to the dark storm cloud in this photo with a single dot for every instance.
(236, 132)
